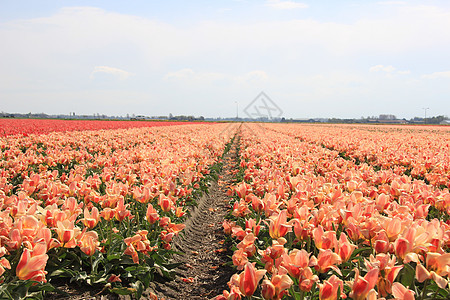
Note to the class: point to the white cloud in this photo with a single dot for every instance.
(120, 74)
(252, 77)
(377, 68)
(392, 2)
(225, 57)
(189, 75)
(389, 70)
(180, 74)
(278, 4)
(445, 74)
(194, 78)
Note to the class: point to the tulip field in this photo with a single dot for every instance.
(329, 212)
(315, 211)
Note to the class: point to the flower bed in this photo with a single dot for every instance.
(99, 207)
(308, 222)
(44, 126)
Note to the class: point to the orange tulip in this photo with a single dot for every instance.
(248, 244)
(107, 213)
(345, 248)
(165, 203)
(239, 258)
(386, 264)
(362, 285)
(4, 263)
(152, 214)
(92, 218)
(296, 262)
(327, 259)
(276, 287)
(438, 267)
(324, 240)
(381, 243)
(307, 280)
(89, 242)
(67, 233)
(401, 292)
(249, 279)
(278, 227)
(329, 289)
(32, 263)
(121, 211)
(250, 225)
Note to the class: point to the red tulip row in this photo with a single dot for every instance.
(312, 224)
(44, 126)
(422, 152)
(100, 207)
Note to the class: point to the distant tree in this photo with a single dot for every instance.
(435, 120)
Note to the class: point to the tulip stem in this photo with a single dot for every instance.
(424, 291)
(436, 293)
(109, 235)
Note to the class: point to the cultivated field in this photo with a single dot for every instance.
(224, 210)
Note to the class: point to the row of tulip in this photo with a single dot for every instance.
(44, 126)
(99, 207)
(311, 224)
(420, 151)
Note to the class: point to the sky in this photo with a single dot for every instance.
(344, 59)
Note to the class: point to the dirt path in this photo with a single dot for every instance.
(203, 273)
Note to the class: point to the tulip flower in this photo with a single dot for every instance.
(88, 242)
(278, 227)
(152, 214)
(381, 243)
(32, 263)
(307, 280)
(121, 211)
(165, 203)
(438, 266)
(107, 213)
(248, 244)
(4, 263)
(250, 225)
(386, 264)
(324, 240)
(67, 233)
(329, 289)
(401, 292)
(327, 259)
(249, 279)
(276, 287)
(92, 218)
(239, 258)
(296, 262)
(362, 285)
(345, 248)
(240, 208)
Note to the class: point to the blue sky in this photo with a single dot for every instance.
(312, 58)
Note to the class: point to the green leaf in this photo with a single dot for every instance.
(121, 291)
(172, 266)
(359, 250)
(113, 256)
(407, 276)
(139, 288)
(22, 289)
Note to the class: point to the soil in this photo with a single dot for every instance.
(204, 270)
